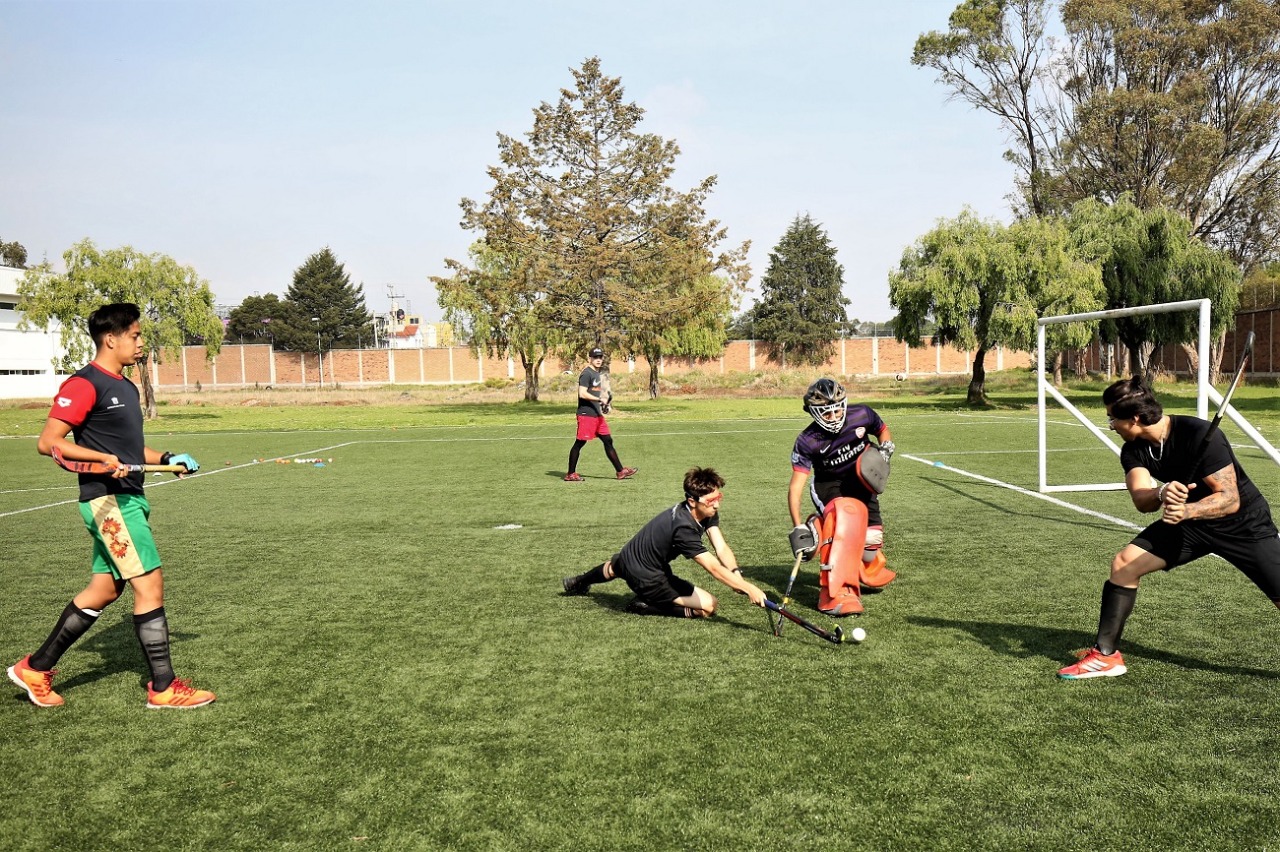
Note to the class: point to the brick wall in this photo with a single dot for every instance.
(247, 365)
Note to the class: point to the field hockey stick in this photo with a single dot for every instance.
(103, 467)
(1222, 410)
(786, 596)
(835, 637)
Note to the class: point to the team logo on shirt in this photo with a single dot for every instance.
(861, 431)
(63, 402)
(116, 401)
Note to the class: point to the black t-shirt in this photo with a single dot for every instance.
(1172, 462)
(674, 532)
(104, 414)
(591, 379)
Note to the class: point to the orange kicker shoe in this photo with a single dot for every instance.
(38, 684)
(180, 695)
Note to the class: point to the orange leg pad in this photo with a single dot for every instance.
(874, 574)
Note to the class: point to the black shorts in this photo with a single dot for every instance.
(656, 587)
(824, 492)
(1177, 544)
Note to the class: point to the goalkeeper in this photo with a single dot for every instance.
(848, 530)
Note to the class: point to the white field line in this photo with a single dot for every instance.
(1045, 497)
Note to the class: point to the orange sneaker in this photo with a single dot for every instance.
(180, 695)
(573, 477)
(1094, 663)
(626, 473)
(38, 684)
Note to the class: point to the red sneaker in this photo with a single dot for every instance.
(1094, 663)
(38, 684)
(626, 473)
(572, 477)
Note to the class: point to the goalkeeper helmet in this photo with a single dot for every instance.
(826, 403)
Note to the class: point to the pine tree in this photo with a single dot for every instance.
(802, 302)
(323, 292)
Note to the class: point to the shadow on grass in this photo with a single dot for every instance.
(1027, 641)
(967, 493)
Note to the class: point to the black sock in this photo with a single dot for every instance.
(674, 610)
(1117, 603)
(152, 629)
(72, 624)
(595, 575)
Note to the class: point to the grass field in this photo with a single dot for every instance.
(395, 673)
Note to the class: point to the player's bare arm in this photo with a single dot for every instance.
(795, 495)
(1223, 499)
(1146, 493)
(721, 548)
(734, 581)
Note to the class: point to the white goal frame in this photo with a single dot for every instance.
(1044, 387)
(1204, 390)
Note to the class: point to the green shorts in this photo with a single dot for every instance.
(122, 542)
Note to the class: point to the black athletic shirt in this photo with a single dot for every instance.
(1172, 462)
(591, 379)
(674, 532)
(103, 412)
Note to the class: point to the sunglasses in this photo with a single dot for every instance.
(712, 501)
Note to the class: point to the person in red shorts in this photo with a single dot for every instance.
(99, 405)
(593, 402)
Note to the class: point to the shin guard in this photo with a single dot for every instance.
(844, 535)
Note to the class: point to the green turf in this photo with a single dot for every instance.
(394, 673)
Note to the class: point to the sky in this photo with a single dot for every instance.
(240, 138)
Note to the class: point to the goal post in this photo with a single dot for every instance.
(1045, 388)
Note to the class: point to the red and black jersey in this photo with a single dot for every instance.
(104, 414)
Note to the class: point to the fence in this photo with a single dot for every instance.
(257, 365)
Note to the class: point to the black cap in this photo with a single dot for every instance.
(597, 352)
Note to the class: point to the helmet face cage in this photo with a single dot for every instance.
(826, 403)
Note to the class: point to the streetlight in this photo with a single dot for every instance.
(319, 351)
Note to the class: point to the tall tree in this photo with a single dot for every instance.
(1149, 257)
(495, 305)
(585, 200)
(326, 298)
(13, 254)
(802, 301)
(1177, 105)
(984, 284)
(995, 56)
(176, 303)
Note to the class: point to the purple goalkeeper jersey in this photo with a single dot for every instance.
(834, 456)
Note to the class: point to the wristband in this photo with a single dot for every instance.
(1160, 492)
(165, 458)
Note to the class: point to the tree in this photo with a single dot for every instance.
(585, 202)
(13, 254)
(256, 318)
(1261, 287)
(176, 303)
(330, 309)
(1150, 257)
(802, 302)
(985, 284)
(995, 57)
(495, 305)
(1176, 104)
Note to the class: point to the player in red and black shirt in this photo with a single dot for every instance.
(645, 561)
(99, 407)
(1215, 509)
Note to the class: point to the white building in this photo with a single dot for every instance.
(26, 357)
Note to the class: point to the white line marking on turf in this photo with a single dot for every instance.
(1045, 497)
